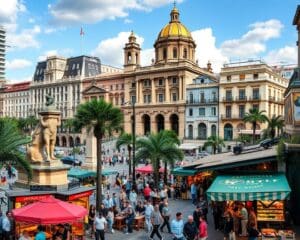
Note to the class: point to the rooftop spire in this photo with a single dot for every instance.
(174, 14)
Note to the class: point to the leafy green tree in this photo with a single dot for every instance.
(126, 139)
(32, 121)
(103, 119)
(214, 142)
(11, 140)
(254, 116)
(157, 147)
(275, 122)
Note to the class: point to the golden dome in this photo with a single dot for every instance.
(175, 28)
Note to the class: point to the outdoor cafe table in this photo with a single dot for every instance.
(119, 222)
(139, 222)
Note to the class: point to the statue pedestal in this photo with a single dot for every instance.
(91, 152)
(52, 173)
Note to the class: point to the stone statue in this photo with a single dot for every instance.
(49, 100)
(44, 138)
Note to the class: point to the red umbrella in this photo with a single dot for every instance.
(148, 169)
(49, 211)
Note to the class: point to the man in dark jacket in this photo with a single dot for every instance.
(196, 215)
(190, 229)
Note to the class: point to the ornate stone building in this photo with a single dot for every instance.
(159, 90)
(245, 85)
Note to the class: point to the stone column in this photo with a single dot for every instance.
(153, 124)
(153, 95)
(140, 92)
(91, 151)
(183, 87)
(180, 88)
(167, 90)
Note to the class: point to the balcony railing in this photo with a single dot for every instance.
(255, 98)
(231, 116)
(202, 101)
(228, 99)
(241, 98)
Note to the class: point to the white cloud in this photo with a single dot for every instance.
(146, 56)
(91, 11)
(286, 55)
(127, 21)
(110, 50)
(49, 30)
(24, 39)
(23, 79)
(54, 52)
(206, 49)
(9, 10)
(254, 41)
(18, 64)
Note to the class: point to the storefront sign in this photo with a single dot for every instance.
(42, 188)
(31, 198)
(80, 195)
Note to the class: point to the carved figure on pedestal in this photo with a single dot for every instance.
(44, 138)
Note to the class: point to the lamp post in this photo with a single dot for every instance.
(133, 142)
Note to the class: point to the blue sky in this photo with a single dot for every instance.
(224, 30)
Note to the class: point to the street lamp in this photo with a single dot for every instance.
(133, 119)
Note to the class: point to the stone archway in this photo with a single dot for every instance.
(57, 141)
(71, 142)
(146, 120)
(64, 141)
(77, 141)
(174, 120)
(160, 122)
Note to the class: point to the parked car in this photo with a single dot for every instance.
(269, 142)
(203, 154)
(71, 160)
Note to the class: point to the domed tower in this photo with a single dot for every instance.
(131, 53)
(174, 42)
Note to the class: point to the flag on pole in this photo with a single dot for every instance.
(81, 31)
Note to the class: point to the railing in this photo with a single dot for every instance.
(231, 116)
(241, 98)
(255, 98)
(228, 99)
(202, 101)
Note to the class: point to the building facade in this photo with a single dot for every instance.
(246, 85)
(2, 53)
(16, 100)
(201, 115)
(62, 78)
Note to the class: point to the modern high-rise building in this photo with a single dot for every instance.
(2, 53)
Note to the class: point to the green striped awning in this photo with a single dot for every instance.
(249, 188)
(183, 172)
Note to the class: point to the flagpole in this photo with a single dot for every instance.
(81, 40)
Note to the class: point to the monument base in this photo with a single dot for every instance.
(89, 165)
(52, 173)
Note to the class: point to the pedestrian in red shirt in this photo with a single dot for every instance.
(147, 192)
(203, 229)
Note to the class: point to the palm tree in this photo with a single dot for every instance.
(214, 142)
(11, 140)
(103, 119)
(32, 121)
(126, 139)
(69, 126)
(273, 123)
(157, 147)
(255, 116)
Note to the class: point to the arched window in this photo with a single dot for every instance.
(190, 132)
(129, 57)
(164, 53)
(202, 131)
(228, 132)
(184, 53)
(213, 130)
(136, 58)
(174, 52)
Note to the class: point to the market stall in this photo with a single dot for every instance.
(148, 169)
(268, 193)
(49, 211)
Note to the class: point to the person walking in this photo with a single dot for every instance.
(190, 230)
(196, 215)
(99, 227)
(133, 198)
(148, 212)
(194, 193)
(252, 232)
(130, 214)
(156, 220)
(91, 219)
(228, 227)
(40, 233)
(244, 219)
(6, 226)
(110, 220)
(147, 192)
(177, 227)
(203, 229)
(166, 217)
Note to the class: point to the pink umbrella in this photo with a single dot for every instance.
(148, 169)
(49, 211)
